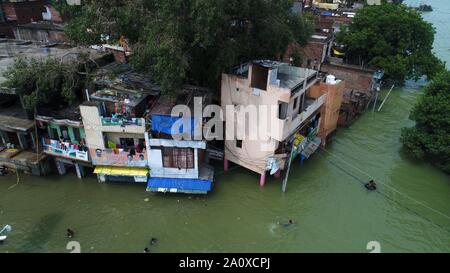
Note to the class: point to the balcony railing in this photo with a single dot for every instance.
(65, 149)
(287, 127)
(118, 157)
(110, 121)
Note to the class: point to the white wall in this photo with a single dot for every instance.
(155, 159)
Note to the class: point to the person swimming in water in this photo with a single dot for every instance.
(70, 233)
(153, 241)
(290, 222)
(146, 250)
(371, 186)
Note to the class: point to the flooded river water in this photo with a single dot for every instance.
(332, 210)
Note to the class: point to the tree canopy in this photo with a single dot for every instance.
(393, 37)
(191, 41)
(47, 80)
(430, 138)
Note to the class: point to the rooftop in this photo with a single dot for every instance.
(67, 116)
(118, 82)
(42, 25)
(165, 104)
(291, 77)
(13, 118)
(287, 76)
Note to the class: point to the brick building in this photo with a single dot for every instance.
(358, 89)
(34, 20)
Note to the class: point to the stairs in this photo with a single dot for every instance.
(311, 147)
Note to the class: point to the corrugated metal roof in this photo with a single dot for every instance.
(179, 184)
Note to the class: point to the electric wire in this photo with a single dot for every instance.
(386, 185)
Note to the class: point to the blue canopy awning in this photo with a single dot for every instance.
(184, 185)
(164, 123)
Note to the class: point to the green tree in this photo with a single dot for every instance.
(393, 37)
(46, 81)
(192, 41)
(429, 139)
(87, 22)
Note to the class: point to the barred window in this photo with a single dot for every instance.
(182, 158)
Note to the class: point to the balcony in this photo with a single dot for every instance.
(118, 157)
(121, 124)
(65, 150)
(288, 126)
(122, 121)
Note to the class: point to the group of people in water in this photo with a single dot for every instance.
(153, 240)
(371, 186)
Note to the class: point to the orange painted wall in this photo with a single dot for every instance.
(330, 110)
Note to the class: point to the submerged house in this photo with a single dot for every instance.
(63, 138)
(177, 165)
(21, 145)
(19, 148)
(294, 118)
(115, 126)
(61, 128)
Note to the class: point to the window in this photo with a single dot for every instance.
(239, 143)
(54, 133)
(282, 110)
(302, 103)
(127, 143)
(76, 135)
(259, 77)
(64, 132)
(295, 103)
(181, 158)
(141, 145)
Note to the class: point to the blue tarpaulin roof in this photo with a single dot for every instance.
(180, 184)
(164, 123)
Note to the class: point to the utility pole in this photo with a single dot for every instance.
(385, 98)
(376, 85)
(288, 169)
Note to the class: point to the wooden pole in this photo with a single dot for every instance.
(385, 98)
(289, 168)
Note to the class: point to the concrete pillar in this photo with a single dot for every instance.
(61, 168)
(225, 165)
(196, 160)
(80, 170)
(278, 174)
(262, 180)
